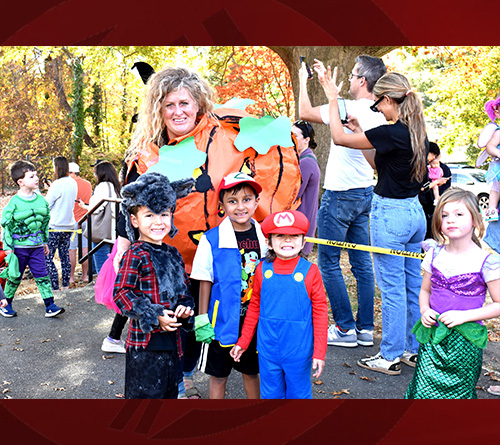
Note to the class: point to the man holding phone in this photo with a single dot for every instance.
(345, 205)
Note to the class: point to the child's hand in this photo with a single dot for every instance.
(183, 311)
(7, 252)
(3, 302)
(429, 318)
(168, 321)
(236, 353)
(46, 250)
(453, 318)
(318, 365)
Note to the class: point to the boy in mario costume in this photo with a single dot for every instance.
(289, 305)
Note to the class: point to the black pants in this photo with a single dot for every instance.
(151, 374)
(119, 323)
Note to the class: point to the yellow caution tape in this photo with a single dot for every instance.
(373, 249)
(75, 231)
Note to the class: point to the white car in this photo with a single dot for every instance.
(474, 180)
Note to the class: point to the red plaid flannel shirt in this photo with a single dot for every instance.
(136, 278)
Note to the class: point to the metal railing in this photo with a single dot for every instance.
(91, 251)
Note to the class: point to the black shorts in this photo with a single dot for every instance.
(216, 361)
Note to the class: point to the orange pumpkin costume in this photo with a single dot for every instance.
(277, 172)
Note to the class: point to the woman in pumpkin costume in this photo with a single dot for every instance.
(179, 134)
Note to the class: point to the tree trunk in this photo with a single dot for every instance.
(340, 56)
(52, 67)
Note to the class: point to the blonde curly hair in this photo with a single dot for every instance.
(151, 126)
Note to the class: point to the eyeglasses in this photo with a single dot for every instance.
(374, 106)
(351, 75)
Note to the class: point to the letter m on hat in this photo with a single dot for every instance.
(284, 219)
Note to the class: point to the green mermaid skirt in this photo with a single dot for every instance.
(447, 370)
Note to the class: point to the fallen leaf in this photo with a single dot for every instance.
(107, 357)
(111, 382)
(318, 382)
(365, 378)
(120, 396)
(6, 390)
(46, 340)
(347, 365)
(342, 391)
(17, 349)
(352, 373)
(5, 382)
(60, 389)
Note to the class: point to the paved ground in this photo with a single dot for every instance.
(60, 358)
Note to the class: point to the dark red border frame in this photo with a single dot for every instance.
(259, 22)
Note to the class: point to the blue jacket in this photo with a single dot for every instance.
(225, 299)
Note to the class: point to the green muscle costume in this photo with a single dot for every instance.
(25, 223)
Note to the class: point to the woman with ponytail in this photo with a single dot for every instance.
(397, 220)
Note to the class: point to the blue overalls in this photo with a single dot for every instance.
(285, 334)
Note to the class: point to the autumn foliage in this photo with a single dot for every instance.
(258, 73)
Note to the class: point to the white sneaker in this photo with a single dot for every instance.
(110, 345)
(409, 358)
(380, 364)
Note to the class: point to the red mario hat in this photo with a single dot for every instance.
(238, 178)
(289, 222)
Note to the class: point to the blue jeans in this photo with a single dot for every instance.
(398, 224)
(101, 255)
(343, 216)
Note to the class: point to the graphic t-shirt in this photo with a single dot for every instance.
(248, 245)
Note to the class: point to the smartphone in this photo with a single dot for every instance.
(342, 111)
(308, 68)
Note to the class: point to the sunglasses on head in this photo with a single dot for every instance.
(303, 125)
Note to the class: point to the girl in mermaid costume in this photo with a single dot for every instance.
(456, 277)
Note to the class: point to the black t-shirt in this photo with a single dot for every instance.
(393, 161)
(248, 245)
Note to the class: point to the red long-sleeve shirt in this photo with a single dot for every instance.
(316, 292)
